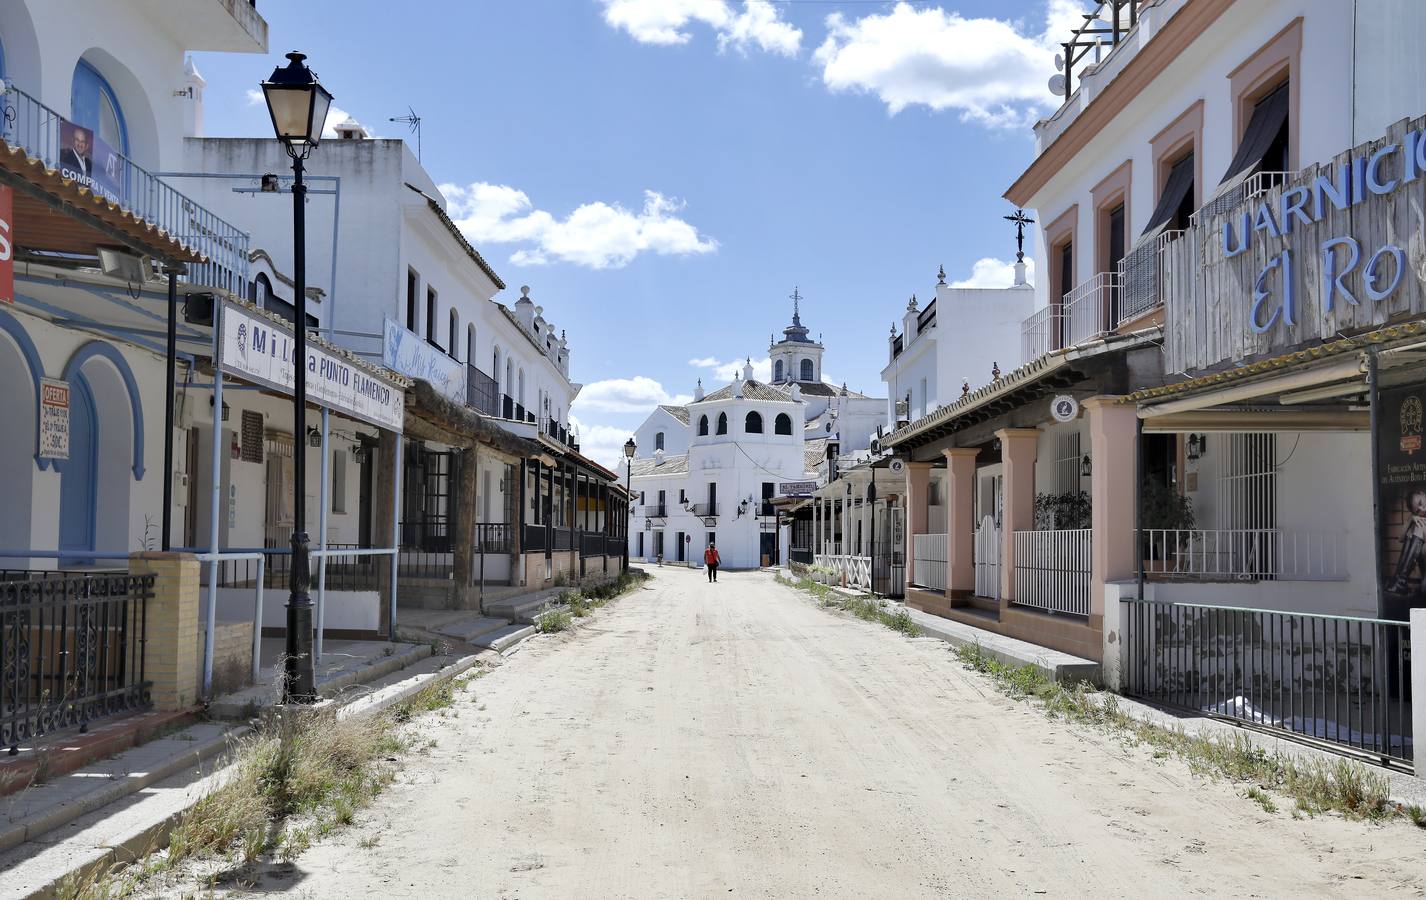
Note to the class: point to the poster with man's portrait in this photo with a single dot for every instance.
(84, 158)
(1401, 498)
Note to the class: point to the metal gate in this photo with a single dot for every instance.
(987, 559)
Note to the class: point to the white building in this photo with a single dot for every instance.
(930, 366)
(706, 471)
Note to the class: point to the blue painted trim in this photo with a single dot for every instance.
(11, 326)
(108, 92)
(109, 352)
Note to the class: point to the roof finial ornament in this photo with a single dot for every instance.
(965, 386)
(995, 371)
(1020, 220)
(796, 297)
(941, 276)
(911, 304)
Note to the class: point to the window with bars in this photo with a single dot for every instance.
(1247, 499)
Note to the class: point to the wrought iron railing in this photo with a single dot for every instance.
(1141, 277)
(654, 511)
(927, 318)
(592, 544)
(481, 392)
(493, 537)
(707, 510)
(72, 649)
(1338, 680)
(36, 128)
(533, 538)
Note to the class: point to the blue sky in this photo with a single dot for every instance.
(664, 172)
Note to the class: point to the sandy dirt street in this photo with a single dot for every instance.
(735, 740)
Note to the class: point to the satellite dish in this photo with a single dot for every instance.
(1059, 62)
(1058, 85)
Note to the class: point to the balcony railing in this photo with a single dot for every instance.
(481, 392)
(654, 511)
(507, 406)
(1141, 277)
(1249, 554)
(706, 510)
(35, 128)
(1081, 315)
(1235, 195)
(555, 430)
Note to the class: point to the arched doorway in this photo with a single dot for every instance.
(17, 440)
(105, 453)
(78, 507)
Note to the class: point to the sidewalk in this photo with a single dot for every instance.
(343, 665)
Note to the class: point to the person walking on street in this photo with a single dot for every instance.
(710, 559)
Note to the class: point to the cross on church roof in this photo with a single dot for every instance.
(796, 297)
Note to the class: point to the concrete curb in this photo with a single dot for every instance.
(40, 872)
(238, 707)
(33, 826)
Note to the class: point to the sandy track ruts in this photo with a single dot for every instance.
(734, 740)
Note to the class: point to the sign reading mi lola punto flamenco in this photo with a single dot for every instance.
(1338, 248)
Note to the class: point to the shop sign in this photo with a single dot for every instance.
(54, 419)
(84, 158)
(258, 349)
(796, 488)
(406, 352)
(1401, 499)
(1323, 254)
(7, 247)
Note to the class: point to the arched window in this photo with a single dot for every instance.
(807, 371)
(470, 356)
(722, 423)
(658, 441)
(93, 104)
(777, 371)
(509, 376)
(703, 426)
(453, 345)
(782, 424)
(753, 424)
(495, 370)
(262, 290)
(520, 398)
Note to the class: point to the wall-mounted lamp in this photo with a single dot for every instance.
(269, 183)
(1085, 467)
(1197, 446)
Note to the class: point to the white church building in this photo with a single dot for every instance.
(707, 472)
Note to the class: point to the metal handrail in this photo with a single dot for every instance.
(34, 127)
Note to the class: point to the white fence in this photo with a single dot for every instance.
(1052, 570)
(987, 559)
(1082, 314)
(852, 571)
(1246, 554)
(929, 557)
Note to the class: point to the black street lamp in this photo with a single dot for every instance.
(298, 106)
(630, 448)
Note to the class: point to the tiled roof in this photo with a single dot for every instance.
(813, 452)
(752, 390)
(460, 239)
(678, 412)
(672, 465)
(823, 389)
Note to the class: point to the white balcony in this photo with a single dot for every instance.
(1085, 313)
(227, 25)
(1141, 284)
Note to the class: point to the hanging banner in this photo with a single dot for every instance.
(84, 158)
(258, 349)
(1401, 499)
(7, 247)
(406, 352)
(54, 419)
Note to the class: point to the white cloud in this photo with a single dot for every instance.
(597, 235)
(639, 394)
(602, 443)
(727, 371)
(666, 22)
(992, 71)
(995, 273)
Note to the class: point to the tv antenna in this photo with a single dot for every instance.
(414, 121)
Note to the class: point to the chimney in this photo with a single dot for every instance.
(1020, 274)
(748, 370)
(698, 391)
(795, 392)
(525, 308)
(192, 96)
(350, 130)
(737, 387)
(658, 457)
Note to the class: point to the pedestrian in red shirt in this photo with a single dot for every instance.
(711, 559)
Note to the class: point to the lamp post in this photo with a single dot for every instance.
(630, 448)
(298, 106)
(871, 501)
